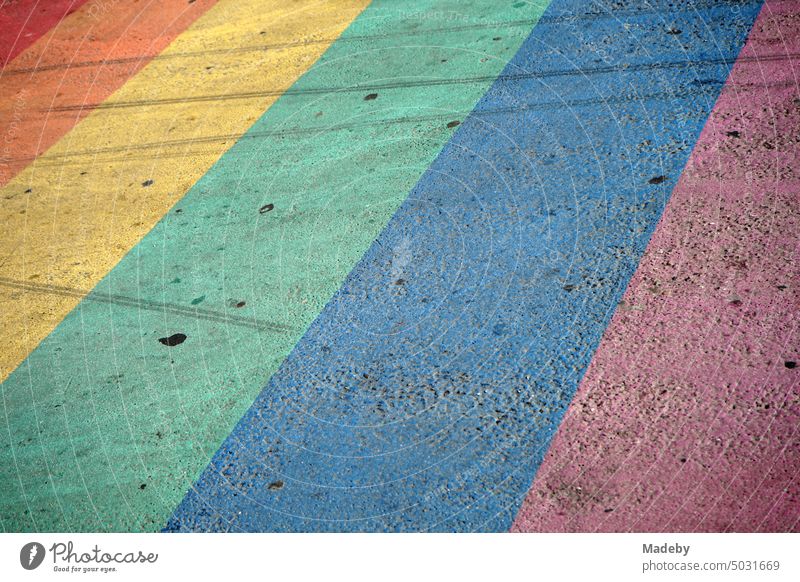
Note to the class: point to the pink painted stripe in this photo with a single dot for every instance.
(688, 418)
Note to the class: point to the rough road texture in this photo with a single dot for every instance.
(688, 418)
(59, 80)
(393, 240)
(73, 213)
(117, 411)
(426, 393)
(23, 22)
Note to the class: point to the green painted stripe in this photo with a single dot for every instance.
(106, 426)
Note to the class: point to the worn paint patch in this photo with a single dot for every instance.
(425, 394)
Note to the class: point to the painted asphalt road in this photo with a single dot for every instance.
(689, 416)
(56, 83)
(426, 393)
(23, 22)
(136, 421)
(80, 207)
(85, 436)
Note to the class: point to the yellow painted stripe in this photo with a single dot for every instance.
(71, 216)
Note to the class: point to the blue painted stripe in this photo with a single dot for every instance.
(425, 394)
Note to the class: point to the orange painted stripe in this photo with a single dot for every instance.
(86, 58)
(23, 22)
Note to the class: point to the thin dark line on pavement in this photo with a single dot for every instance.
(77, 157)
(125, 301)
(360, 38)
(622, 68)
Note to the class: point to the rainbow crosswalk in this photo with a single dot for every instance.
(364, 266)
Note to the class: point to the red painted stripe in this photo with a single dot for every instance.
(86, 59)
(23, 22)
(688, 418)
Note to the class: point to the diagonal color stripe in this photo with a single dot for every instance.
(72, 215)
(107, 427)
(83, 61)
(23, 22)
(425, 394)
(688, 418)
